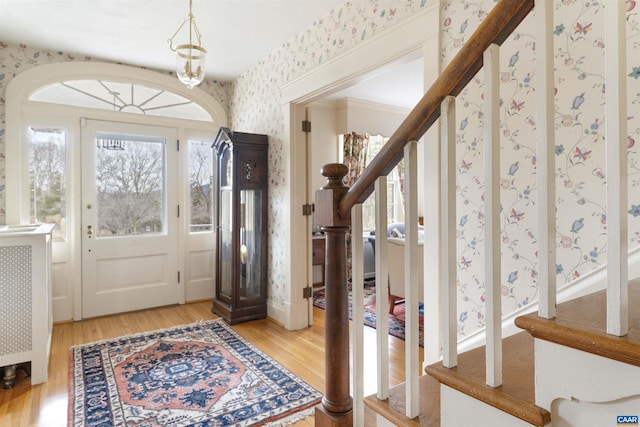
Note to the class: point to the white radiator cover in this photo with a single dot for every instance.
(25, 297)
(15, 299)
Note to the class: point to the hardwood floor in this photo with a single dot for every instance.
(302, 352)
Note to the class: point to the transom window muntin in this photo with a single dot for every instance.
(126, 97)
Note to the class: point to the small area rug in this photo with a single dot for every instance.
(396, 320)
(203, 374)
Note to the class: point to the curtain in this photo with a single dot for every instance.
(400, 168)
(355, 157)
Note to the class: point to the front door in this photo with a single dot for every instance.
(129, 217)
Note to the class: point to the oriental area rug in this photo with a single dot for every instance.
(203, 374)
(396, 320)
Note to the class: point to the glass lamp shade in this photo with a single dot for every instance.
(190, 62)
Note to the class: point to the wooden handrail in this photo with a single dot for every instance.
(497, 26)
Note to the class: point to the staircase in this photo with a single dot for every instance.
(597, 368)
(576, 363)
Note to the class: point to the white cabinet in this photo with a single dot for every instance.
(25, 297)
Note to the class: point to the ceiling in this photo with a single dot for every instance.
(399, 84)
(236, 33)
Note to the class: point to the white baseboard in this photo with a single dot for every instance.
(277, 312)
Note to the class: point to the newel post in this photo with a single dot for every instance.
(336, 408)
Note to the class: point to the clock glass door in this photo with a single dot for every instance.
(250, 245)
(226, 225)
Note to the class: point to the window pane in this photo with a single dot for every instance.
(200, 181)
(376, 142)
(130, 185)
(369, 206)
(47, 163)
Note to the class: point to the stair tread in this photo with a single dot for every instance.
(393, 408)
(582, 324)
(515, 396)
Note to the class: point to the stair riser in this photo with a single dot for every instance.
(566, 373)
(458, 409)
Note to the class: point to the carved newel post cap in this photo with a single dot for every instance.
(335, 173)
(328, 197)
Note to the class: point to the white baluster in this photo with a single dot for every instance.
(616, 137)
(357, 289)
(382, 286)
(411, 259)
(448, 258)
(545, 165)
(492, 279)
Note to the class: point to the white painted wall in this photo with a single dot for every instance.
(359, 116)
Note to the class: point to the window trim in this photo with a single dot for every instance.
(20, 88)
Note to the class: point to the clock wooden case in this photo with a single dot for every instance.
(241, 226)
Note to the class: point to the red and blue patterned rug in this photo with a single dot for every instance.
(396, 320)
(203, 374)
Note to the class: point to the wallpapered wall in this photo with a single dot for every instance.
(255, 103)
(579, 48)
(581, 225)
(254, 106)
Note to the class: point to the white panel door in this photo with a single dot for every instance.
(129, 217)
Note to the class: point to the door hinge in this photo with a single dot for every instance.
(178, 277)
(307, 292)
(178, 211)
(307, 209)
(178, 144)
(306, 126)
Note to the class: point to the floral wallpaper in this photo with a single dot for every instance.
(254, 106)
(579, 48)
(581, 224)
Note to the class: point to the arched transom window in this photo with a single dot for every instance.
(126, 97)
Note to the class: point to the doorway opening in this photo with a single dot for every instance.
(418, 37)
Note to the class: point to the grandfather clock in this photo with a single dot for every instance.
(241, 225)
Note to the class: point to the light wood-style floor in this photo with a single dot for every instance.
(302, 352)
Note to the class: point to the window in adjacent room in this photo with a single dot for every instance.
(395, 204)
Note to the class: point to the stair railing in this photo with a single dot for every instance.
(334, 204)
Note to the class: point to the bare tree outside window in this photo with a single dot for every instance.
(200, 182)
(130, 186)
(47, 163)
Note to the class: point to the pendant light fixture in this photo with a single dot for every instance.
(190, 55)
